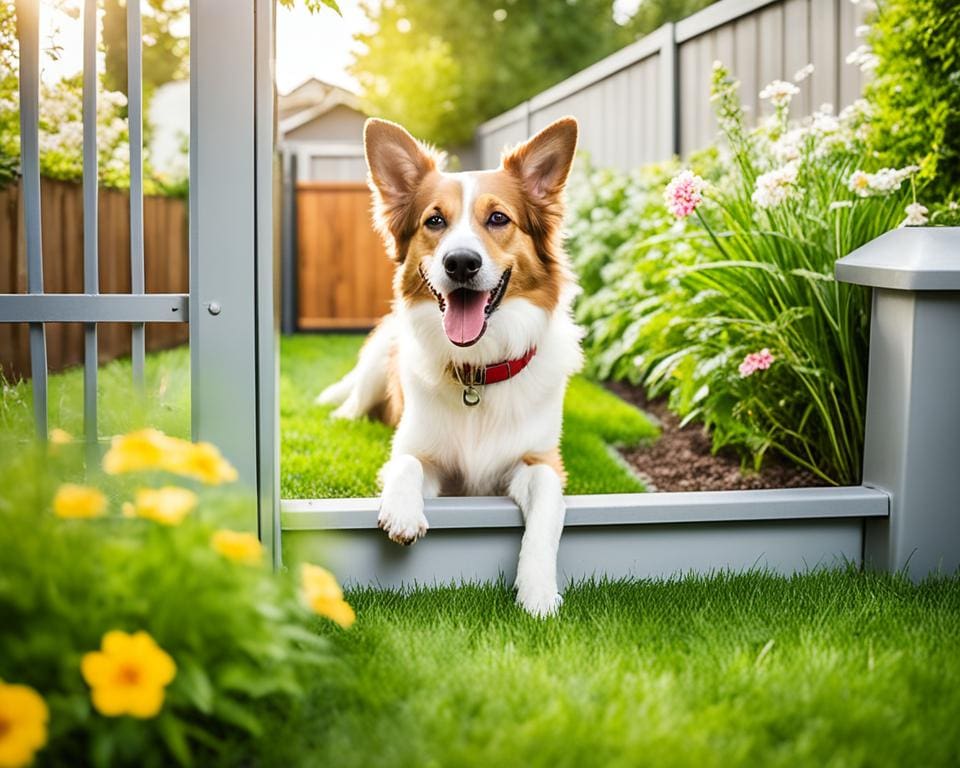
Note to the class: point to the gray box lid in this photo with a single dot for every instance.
(906, 259)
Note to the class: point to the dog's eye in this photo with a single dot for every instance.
(435, 222)
(498, 219)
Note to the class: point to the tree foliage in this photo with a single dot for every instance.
(165, 43)
(443, 68)
(916, 89)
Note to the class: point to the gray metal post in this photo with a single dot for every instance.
(912, 448)
(288, 297)
(267, 258)
(232, 243)
(669, 101)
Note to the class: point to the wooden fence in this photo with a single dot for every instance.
(343, 273)
(165, 263)
(651, 100)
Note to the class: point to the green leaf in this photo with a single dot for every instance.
(172, 732)
(195, 685)
(237, 715)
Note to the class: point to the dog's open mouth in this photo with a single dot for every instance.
(465, 312)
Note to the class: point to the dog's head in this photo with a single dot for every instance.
(468, 243)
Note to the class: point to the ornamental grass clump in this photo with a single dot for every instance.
(139, 623)
(724, 299)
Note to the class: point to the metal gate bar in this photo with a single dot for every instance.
(91, 307)
(135, 134)
(28, 36)
(91, 252)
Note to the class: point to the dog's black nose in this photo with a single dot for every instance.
(462, 265)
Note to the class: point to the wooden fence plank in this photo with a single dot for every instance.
(344, 274)
(165, 226)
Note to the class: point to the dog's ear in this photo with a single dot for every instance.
(397, 163)
(542, 163)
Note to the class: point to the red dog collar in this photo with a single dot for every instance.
(471, 378)
(493, 374)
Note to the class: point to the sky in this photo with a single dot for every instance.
(316, 45)
(308, 45)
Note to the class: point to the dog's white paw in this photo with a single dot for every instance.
(349, 410)
(335, 394)
(401, 516)
(538, 596)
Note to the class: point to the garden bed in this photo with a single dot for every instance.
(682, 459)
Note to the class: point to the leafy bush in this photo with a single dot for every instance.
(734, 313)
(150, 636)
(914, 48)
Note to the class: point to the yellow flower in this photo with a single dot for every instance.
(324, 596)
(128, 675)
(167, 505)
(23, 725)
(242, 547)
(142, 450)
(59, 436)
(204, 462)
(79, 501)
(150, 449)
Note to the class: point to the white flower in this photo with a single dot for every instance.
(779, 92)
(862, 31)
(916, 215)
(863, 57)
(788, 146)
(836, 206)
(824, 124)
(803, 73)
(883, 181)
(859, 183)
(775, 186)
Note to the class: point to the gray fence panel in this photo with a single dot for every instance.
(759, 40)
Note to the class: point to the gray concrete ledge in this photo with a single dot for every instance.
(906, 259)
(605, 510)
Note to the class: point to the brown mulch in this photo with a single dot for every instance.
(680, 460)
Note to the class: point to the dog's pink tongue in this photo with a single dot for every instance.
(464, 317)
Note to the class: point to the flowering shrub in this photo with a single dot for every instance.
(138, 622)
(915, 89)
(688, 292)
(61, 137)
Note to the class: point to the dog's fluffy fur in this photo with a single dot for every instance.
(509, 442)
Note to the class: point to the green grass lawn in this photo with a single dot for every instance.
(826, 669)
(323, 457)
(327, 458)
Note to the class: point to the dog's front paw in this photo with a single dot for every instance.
(538, 596)
(401, 516)
(349, 410)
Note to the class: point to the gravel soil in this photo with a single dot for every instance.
(681, 460)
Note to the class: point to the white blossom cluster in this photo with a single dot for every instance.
(776, 186)
(882, 182)
(61, 131)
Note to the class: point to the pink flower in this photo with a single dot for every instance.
(683, 194)
(756, 361)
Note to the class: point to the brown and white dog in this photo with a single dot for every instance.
(472, 363)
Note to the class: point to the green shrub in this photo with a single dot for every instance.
(241, 641)
(915, 48)
(681, 304)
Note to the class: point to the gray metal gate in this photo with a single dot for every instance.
(905, 516)
(231, 307)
